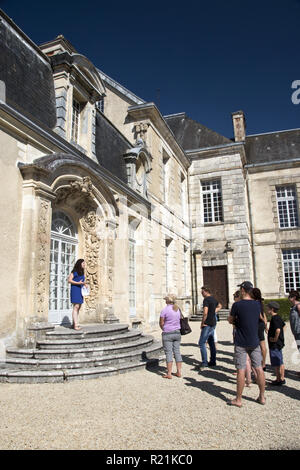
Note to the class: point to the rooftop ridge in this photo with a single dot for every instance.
(120, 87)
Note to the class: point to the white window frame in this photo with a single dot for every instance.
(100, 105)
(165, 170)
(212, 201)
(291, 269)
(132, 271)
(287, 206)
(185, 269)
(58, 314)
(183, 194)
(168, 242)
(75, 126)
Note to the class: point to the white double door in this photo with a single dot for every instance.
(62, 259)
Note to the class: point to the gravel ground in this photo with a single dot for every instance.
(141, 410)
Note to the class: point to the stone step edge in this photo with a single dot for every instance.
(156, 346)
(62, 376)
(82, 333)
(33, 352)
(127, 335)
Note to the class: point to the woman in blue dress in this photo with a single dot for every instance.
(77, 280)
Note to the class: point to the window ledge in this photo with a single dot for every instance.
(289, 228)
(210, 224)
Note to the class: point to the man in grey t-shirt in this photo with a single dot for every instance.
(245, 316)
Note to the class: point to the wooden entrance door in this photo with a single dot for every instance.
(215, 278)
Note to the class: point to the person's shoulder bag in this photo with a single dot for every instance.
(184, 325)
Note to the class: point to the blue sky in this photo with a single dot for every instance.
(206, 58)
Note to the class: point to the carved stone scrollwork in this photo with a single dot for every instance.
(98, 247)
(89, 224)
(42, 258)
(141, 130)
(83, 188)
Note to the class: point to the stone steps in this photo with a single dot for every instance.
(79, 352)
(223, 314)
(94, 351)
(88, 331)
(70, 343)
(83, 362)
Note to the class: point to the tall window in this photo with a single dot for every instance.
(62, 259)
(287, 206)
(168, 262)
(132, 272)
(212, 201)
(165, 178)
(75, 121)
(183, 193)
(185, 269)
(100, 105)
(291, 268)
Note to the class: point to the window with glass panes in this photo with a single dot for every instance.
(212, 201)
(100, 105)
(287, 206)
(75, 121)
(185, 269)
(132, 272)
(291, 269)
(63, 250)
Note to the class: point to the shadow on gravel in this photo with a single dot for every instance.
(218, 374)
(284, 390)
(226, 343)
(292, 375)
(213, 389)
(225, 353)
(190, 360)
(156, 369)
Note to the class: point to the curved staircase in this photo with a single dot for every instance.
(97, 350)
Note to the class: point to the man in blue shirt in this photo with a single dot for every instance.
(245, 316)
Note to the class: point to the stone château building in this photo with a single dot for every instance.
(152, 203)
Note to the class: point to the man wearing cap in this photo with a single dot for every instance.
(245, 316)
(276, 342)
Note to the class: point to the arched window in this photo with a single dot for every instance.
(63, 254)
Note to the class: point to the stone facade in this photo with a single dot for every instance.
(127, 187)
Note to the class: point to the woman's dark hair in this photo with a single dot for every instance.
(294, 293)
(78, 268)
(256, 295)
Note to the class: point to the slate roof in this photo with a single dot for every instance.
(191, 134)
(272, 147)
(110, 147)
(27, 75)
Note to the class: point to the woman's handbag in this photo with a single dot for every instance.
(85, 290)
(185, 328)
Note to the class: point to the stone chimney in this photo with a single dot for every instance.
(239, 126)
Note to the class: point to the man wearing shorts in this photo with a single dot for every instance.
(245, 317)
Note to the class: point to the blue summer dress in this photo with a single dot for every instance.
(76, 297)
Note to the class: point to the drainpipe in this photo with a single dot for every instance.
(195, 253)
(252, 229)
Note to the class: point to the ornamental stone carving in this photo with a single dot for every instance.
(92, 258)
(83, 188)
(42, 261)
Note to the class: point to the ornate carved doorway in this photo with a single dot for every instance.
(63, 252)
